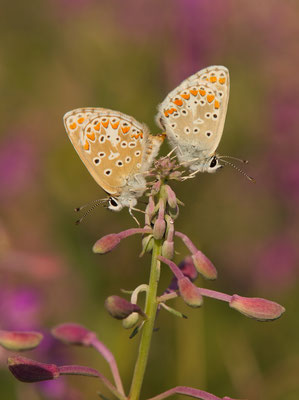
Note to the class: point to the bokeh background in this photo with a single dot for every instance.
(56, 55)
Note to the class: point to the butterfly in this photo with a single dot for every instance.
(193, 117)
(116, 149)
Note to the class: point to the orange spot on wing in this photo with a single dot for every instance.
(97, 127)
(194, 92)
(185, 96)
(125, 129)
(178, 102)
(91, 136)
(213, 79)
(73, 125)
(115, 125)
(135, 135)
(216, 104)
(210, 98)
(86, 145)
(222, 80)
(166, 113)
(202, 92)
(105, 124)
(80, 120)
(141, 135)
(172, 110)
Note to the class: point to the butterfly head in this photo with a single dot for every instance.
(209, 164)
(114, 204)
(212, 164)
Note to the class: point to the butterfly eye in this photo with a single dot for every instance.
(113, 202)
(213, 162)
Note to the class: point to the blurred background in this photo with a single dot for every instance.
(56, 55)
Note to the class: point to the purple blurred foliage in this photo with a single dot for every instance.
(20, 307)
(41, 267)
(68, 8)
(282, 152)
(142, 24)
(58, 389)
(193, 33)
(276, 264)
(17, 164)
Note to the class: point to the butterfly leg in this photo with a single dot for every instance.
(190, 176)
(172, 151)
(133, 216)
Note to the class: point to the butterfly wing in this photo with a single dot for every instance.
(113, 146)
(193, 114)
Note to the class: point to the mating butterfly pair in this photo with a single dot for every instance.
(117, 150)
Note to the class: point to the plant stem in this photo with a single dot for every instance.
(147, 331)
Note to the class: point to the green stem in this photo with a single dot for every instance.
(147, 331)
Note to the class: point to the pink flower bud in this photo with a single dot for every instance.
(130, 321)
(168, 249)
(160, 224)
(254, 307)
(171, 197)
(20, 341)
(190, 293)
(204, 265)
(73, 334)
(120, 308)
(149, 211)
(159, 228)
(106, 243)
(26, 370)
(156, 187)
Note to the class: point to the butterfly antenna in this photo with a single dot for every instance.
(234, 158)
(89, 204)
(239, 170)
(95, 205)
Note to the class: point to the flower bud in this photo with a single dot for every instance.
(149, 211)
(190, 293)
(130, 321)
(171, 197)
(156, 187)
(20, 341)
(71, 333)
(159, 228)
(168, 249)
(106, 243)
(26, 370)
(204, 265)
(120, 308)
(257, 308)
(147, 245)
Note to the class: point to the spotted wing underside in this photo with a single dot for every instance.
(194, 113)
(113, 146)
